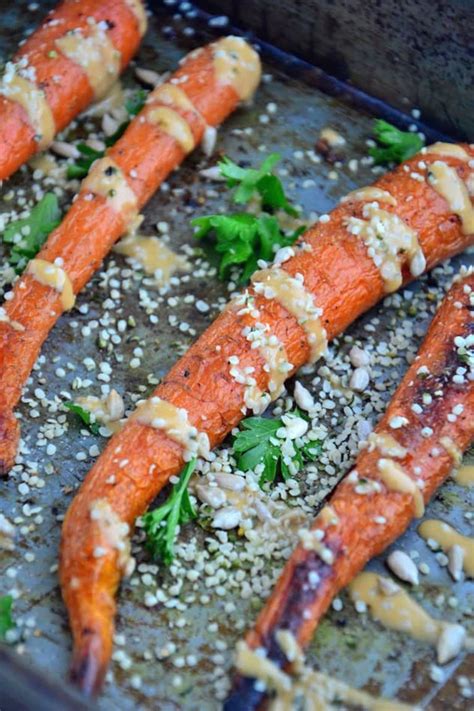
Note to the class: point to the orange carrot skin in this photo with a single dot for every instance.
(146, 155)
(64, 82)
(297, 606)
(215, 104)
(17, 140)
(345, 283)
(359, 285)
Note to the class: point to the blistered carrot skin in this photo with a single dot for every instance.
(146, 155)
(64, 82)
(359, 533)
(341, 275)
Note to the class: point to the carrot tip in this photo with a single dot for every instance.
(9, 438)
(87, 668)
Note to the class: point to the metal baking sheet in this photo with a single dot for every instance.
(347, 645)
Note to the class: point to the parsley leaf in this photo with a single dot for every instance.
(162, 524)
(261, 180)
(466, 354)
(28, 234)
(242, 240)
(6, 621)
(395, 145)
(258, 443)
(80, 168)
(135, 103)
(84, 415)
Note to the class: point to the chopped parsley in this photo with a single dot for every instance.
(162, 525)
(241, 239)
(135, 103)
(28, 234)
(262, 181)
(81, 166)
(465, 350)
(84, 415)
(6, 620)
(395, 146)
(259, 443)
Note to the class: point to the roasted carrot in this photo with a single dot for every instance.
(332, 278)
(206, 88)
(72, 59)
(409, 455)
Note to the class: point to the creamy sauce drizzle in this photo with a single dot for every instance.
(162, 415)
(272, 351)
(172, 95)
(316, 691)
(113, 532)
(106, 179)
(395, 478)
(237, 64)
(138, 9)
(290, 293)
(450, 150)
(390, 243)
(33, 100)
(386, 444)
(465, 475)
(327, 516)
(447, 183)
(108, 411)
(113, 100)
(470, 184)
(370, 193)
(397, 611)
(173, 124)
(53, 276)
(5, 318)
(447, 537)
(312, 540)
(153, 255)
(452, 449)
(332, 137)
(96, 54)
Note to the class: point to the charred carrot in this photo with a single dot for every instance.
(409, 455)
(207, 87)
(70, 61)
(281, 322)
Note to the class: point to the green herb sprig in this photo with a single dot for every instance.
(81, 166)
(6, 619)
(242, 239)
(83, 415)
(162, 524)
(262, 181)
(135, 103)
(27, 235)
(395, 146)
(258, 443)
